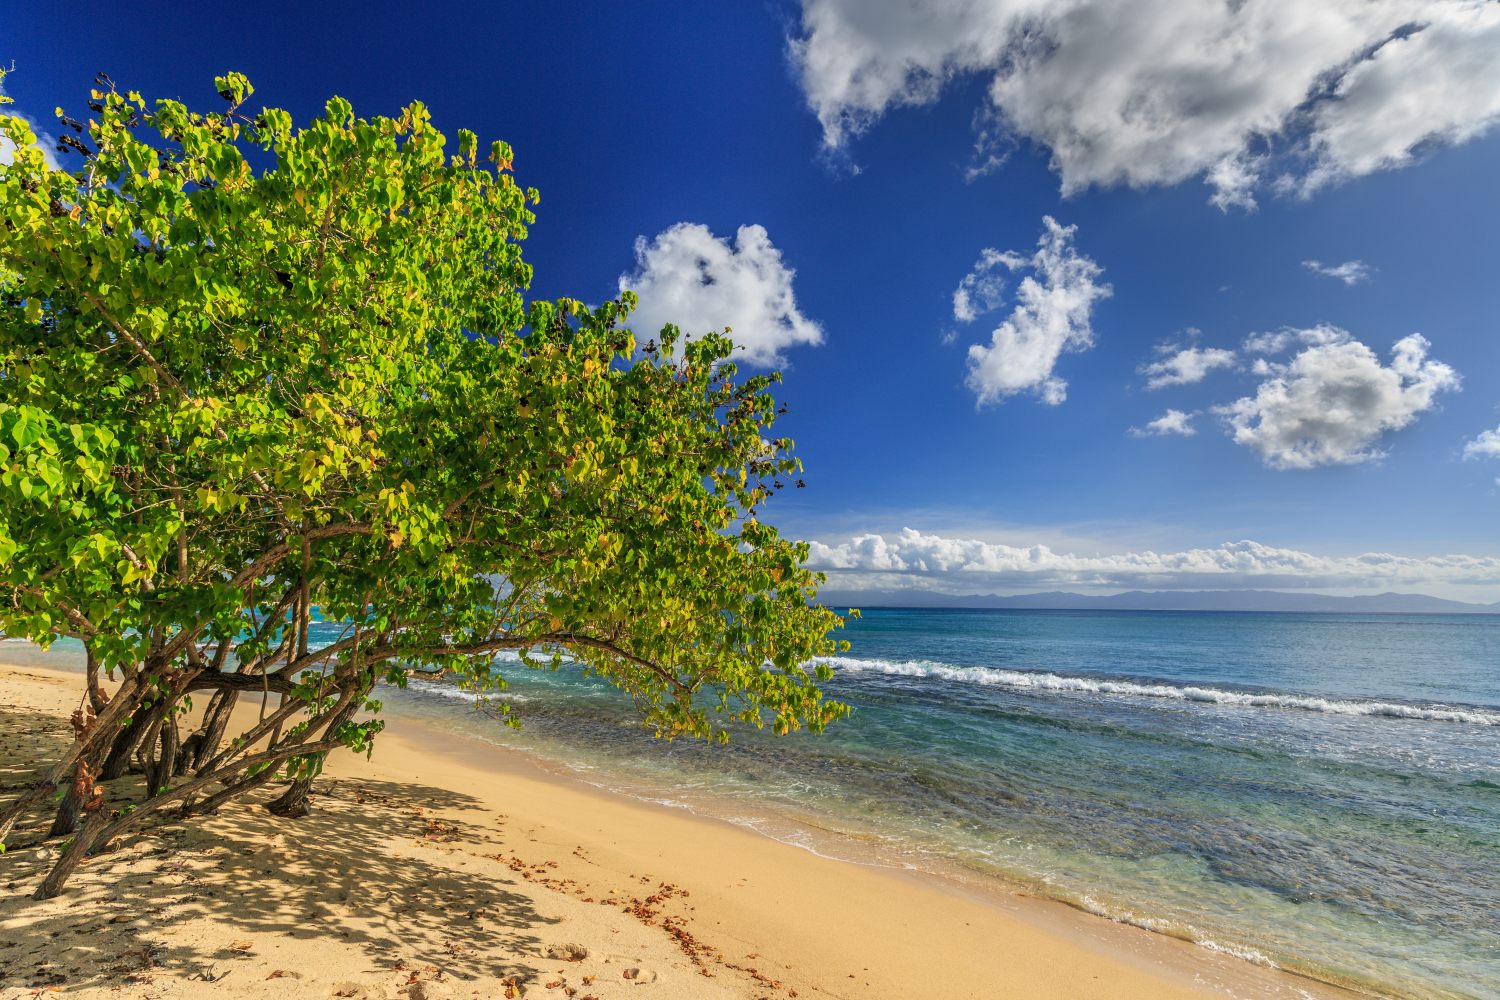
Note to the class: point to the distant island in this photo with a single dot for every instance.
(1162, 600)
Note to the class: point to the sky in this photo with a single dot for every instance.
(1089, 295)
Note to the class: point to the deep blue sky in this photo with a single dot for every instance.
(631, 118)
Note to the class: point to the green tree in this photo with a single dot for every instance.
(251, 372)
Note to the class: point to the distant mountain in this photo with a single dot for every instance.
(1163, 600)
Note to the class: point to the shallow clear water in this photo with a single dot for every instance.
(1317, 791)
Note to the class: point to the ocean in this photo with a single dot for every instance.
(1320, 792)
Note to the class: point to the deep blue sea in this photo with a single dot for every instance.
(1317, 791)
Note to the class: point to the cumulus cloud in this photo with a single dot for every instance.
(1334, 400)
(1186, 366)
(690, 277)
(960, 565)
(1053, 315)
(1350, 272)
(1146, 92)
(1437, 84)
(1173, 422)
(1486, 445)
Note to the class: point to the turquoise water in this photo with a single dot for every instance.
(1319, 792)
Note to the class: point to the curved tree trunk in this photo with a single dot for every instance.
(216, 722)
(99, 829)
(127, 700)
(237, 769)
(66, 820)
(118, 761)
(73, 856)
(293, 803)
(160, 767)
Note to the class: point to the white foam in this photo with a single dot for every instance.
(1160, 925)
(463, 694)
(1240, 951)
(1042, 681)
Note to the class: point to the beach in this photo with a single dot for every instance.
(445, 867)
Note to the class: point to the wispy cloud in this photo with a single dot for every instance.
(982, 290)
(1485, 445)
(1172, 423)
(1276, 341)
(1185, 366)
(1350, 272)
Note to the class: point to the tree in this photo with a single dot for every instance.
(236, 396)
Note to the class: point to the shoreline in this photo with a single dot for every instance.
(817, 925)
(1122, 935)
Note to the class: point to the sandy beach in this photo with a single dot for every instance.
(444, 867)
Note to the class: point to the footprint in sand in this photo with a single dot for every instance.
(639, 976)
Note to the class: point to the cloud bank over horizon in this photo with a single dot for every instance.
(1259, 95)
(911, 559)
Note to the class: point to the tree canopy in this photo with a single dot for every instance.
(253, 373)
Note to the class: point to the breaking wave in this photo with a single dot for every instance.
(1029, 680)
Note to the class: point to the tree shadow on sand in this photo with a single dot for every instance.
(368, 868)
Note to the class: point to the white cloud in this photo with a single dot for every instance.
(1186, 366)
(1350, 272)
(690, 277)
(1053, 314)
(982, 290)
(964, 565)
(1145, 92)
(1276, 341)
(1486, 445)
(1333, 401)
(1169, 423)
(1438, 84)
(1233, 180)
